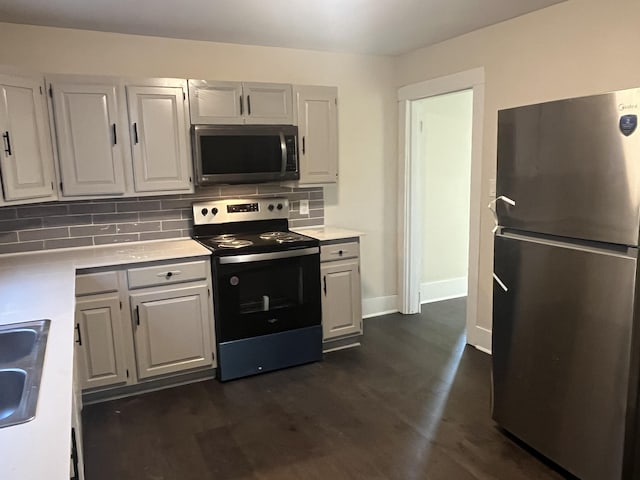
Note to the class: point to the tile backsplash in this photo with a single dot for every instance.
(45, 226)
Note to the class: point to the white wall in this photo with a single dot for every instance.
(446, 173)
(575, 48)
(365, 198)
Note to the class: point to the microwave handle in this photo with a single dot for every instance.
(283, 149)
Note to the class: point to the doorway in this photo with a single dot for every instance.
(443, 126)
(412, 148)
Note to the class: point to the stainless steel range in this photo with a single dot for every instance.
(266, 284)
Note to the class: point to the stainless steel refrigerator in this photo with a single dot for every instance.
(565, 319)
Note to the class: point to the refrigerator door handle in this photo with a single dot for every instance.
(492, 207)
(500, 282)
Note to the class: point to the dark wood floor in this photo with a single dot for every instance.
(411, 403)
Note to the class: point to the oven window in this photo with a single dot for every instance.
(265, 297)
(236, 154)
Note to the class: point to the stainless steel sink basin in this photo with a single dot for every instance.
(12, 382)
(22, 348)
(16, 344)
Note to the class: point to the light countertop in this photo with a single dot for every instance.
(42, 285)
(325, 234)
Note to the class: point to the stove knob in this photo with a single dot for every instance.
(271, 207)
(214, 211)
(204, 212)
(279, 206)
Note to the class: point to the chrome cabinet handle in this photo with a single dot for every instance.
(169, 274)
(7, 143)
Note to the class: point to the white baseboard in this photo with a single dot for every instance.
(481, 339)
(373, 307)
(443, 290)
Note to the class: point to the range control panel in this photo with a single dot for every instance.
(240, 210)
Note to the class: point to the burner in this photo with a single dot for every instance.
(225, 237)
(272, 235)
(281, 237)
(233, 243)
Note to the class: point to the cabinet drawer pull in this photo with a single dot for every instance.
(135, 133)
(249, 104)
(115, 134)
(325, 285)
(138, 315)
(340, 252)
(241, 106)
(169, 274)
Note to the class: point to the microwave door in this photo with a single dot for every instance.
(245, 153)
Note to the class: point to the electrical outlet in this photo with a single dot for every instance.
(304, 207)
(492, 187)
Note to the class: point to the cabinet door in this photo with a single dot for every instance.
(216, 102)
(26, 161)
(172, 331)
(100, 341)
(318, 134)
(268, 103)
(89, 139)
(159, 139)
(341, 304)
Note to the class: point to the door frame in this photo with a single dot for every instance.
(409, 229)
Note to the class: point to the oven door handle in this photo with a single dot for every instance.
(283, 149)
(258, 257)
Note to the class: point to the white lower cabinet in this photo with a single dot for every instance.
(172, 330)
(166, 329)
(341, 296)
(100, 341)
(76, 462)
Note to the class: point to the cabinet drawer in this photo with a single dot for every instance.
(338, 251)
(167, 274)
(92, 283)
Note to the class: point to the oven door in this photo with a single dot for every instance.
(260, 294)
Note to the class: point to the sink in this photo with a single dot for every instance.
(12, 382)
(16, 344)
(22, 349)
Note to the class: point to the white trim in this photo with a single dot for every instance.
(443, 290)
(441, 85)
(483, 339)
(374, 307)
(408, 230)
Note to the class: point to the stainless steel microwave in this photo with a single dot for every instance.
(245, 153)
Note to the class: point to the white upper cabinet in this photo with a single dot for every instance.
(268, 103)
(90, 137)
(26, 159)
(159, 137)
(228, 103)
(121, 137)
(317, 133)
(216, 102)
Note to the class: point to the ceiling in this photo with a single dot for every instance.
(382, 27)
